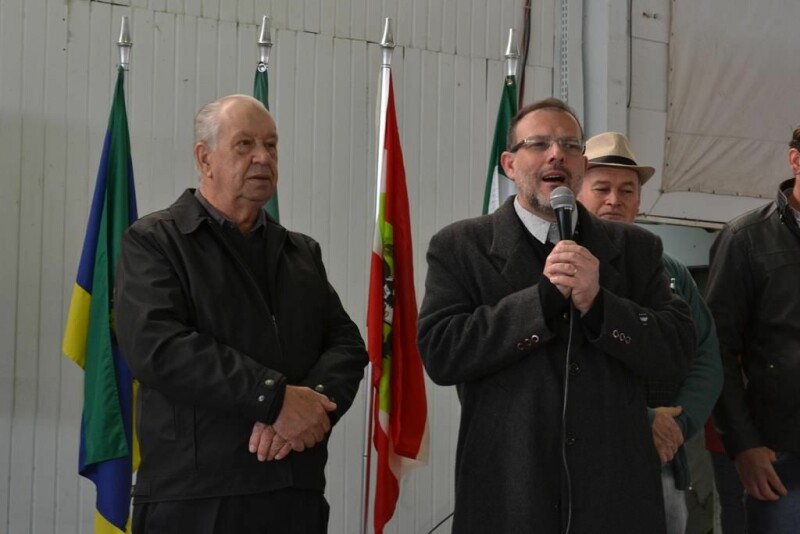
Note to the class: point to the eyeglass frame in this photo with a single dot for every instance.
(526, 143)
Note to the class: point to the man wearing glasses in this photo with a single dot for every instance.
(549, 347)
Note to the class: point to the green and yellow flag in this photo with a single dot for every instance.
(108, 453)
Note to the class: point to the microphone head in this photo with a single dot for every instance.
(562, 198)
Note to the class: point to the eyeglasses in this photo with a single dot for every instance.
(570, 145)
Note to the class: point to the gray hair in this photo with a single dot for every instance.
(206, 122)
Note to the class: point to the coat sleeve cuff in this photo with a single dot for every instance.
(593, 319)
(268, 396)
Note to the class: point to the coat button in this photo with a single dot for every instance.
(261, 398)
(535, 338)
(570, 440)
(574, 369)
(270, 383)
(319, 388)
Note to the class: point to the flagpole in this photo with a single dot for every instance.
(512, 54)
(498, 186)
(124, 43)
(387, 48)
(264, 45)
(261, 92)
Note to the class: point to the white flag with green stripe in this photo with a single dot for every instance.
(498, 186)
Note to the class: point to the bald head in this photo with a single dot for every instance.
(207, 120)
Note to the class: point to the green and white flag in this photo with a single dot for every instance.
(498, 186)
(261, 92)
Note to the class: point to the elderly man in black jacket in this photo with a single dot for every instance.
(244, 353)
(549, 348)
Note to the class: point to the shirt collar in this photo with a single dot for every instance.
(222, 220)
(537, 226)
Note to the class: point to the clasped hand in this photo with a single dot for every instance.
(302, 423)
(575, 272)
(667, 435)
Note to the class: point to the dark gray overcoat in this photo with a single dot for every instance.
(520, 460)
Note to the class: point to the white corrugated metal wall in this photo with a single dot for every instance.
(57, 61)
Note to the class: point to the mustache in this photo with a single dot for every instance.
(557, 167)
(258, 170)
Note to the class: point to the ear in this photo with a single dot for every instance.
(794, 161)
(201, 153)
(507, 161)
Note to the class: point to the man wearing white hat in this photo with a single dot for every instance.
(611, 189)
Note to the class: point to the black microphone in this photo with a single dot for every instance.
(562, 200)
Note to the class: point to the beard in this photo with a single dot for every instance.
(540, 204)
(535, 195)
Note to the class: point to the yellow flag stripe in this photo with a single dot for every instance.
(76, 332)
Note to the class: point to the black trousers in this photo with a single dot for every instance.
(286, 511)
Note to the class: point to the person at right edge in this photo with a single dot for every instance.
(612, 190)
(549, 348)
(755, 300)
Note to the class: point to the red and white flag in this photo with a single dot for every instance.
(400, 405)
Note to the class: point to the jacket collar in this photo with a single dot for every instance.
(784, 190)
(189, 214)
(784, 209)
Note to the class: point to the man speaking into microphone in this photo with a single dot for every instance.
(549, 343)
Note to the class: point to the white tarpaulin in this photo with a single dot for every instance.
(734, 95)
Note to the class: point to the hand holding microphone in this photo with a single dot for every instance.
(570, 267)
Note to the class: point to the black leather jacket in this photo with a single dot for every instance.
(754, 295)
(211, 352)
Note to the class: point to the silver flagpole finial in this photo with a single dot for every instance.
(387, 43)
(512, 53)
(124, 43)
(264, 44)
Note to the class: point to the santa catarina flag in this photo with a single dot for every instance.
(400, 405)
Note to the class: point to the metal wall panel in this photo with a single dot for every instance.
(57, 72)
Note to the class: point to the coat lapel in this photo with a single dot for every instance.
(595, 236)
(511, 249)
(518, 264)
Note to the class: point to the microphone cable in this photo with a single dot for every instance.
(440, 523)
(564, 461)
